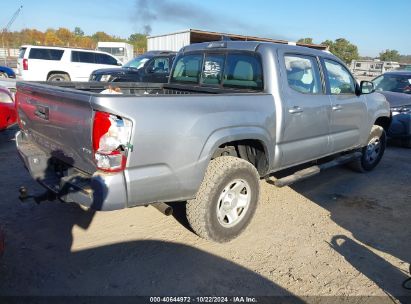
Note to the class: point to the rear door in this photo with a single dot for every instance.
(306, 110)
(84, 63)
(348, 109)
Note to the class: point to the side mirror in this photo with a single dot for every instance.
(367, 87)
(119, 63)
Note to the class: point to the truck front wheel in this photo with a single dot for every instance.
(226, 201)
(373, 152)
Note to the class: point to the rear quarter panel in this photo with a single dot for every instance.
(174, 137)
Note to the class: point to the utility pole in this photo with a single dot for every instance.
(6, 28)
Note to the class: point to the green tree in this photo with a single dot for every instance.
(78, 32)
(306, 40)
(139, 41)
(65, 36)
(390, 55)
(343, 49)
(52, 39)
(101, 36)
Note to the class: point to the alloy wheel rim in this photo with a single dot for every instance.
(373, 150)
(233, 203)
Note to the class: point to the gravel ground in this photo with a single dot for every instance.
(339, 233)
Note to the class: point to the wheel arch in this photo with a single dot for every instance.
(239, 137)
(384, 122)
(57, 72)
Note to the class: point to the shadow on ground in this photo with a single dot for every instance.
(39, 259)
(372, 209)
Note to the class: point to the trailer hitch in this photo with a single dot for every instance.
(46, 196)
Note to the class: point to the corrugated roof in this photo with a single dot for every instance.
(205, 36)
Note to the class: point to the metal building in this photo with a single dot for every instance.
(175, 41)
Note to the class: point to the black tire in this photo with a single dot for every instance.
(368, 161)
(59, 77)
(224, 175)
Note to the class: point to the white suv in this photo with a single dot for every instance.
(44, 63)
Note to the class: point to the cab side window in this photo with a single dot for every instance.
(303, 74)
(159, 65)
(340, 80)
(105, 59)
(83, 57)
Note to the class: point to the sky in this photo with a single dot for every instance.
(372, 25)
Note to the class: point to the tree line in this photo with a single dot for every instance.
(340, 47)
(348, 52)
(67, 38)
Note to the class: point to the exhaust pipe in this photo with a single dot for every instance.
(163, 208)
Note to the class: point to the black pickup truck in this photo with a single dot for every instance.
(152, 66)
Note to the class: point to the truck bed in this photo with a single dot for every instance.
(140, 88)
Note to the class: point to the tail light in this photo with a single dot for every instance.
(25, 64)
(111, 141)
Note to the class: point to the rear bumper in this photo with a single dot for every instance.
(98, 191)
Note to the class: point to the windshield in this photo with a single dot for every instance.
(393, 83)
(137, 62)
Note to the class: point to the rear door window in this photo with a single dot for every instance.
(83, 57)
(303, 74)
(105, 59)
(46, 54)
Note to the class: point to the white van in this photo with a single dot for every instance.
(45, 63)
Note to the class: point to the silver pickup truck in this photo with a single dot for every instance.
(231, 114)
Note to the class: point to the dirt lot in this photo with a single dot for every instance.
(339, 233)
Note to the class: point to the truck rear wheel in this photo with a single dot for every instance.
(226, 201)
(373, 152)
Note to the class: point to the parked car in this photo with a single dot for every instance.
(7, 110)
(396, 87)
(6, 72)
(150, 67)
(232, 113)
(44, 63)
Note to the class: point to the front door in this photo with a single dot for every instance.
(158, 70)
(348, 109)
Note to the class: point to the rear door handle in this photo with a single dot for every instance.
(337, 107)
(295, 110)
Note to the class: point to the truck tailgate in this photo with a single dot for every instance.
(59, 121)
